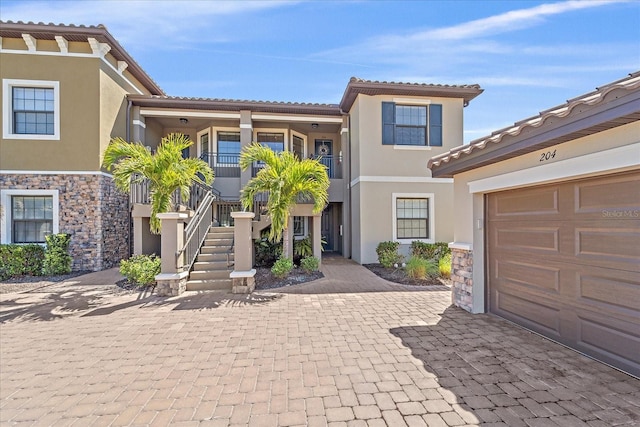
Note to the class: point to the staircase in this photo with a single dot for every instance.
(214, 262)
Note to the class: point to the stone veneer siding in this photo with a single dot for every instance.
(461, 276)
(92, 211)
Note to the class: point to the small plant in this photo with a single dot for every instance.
(310, 264)
(303, 247)
(388, 254)
(20, 260)
(267, 252)
(444, 265)
(429, 250)
(56, 258)
(141, 269)
(282, 267)
(418, 268)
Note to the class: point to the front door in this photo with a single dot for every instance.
(326, 228)
(324, 150)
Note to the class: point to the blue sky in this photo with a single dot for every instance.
(527, 55)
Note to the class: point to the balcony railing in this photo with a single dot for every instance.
(141, 194)
(333, 165)
(223, 165)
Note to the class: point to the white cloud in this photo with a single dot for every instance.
(508, 21)
(136, 22)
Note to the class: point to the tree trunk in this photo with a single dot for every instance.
(285, 243)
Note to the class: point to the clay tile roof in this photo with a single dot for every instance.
(374, 87)
(80, 33)
(591, 99)
(235, 105)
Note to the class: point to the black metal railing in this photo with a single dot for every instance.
(223, 165)
(195, 232)
(222, 212)
(140, 193)
(333, 165)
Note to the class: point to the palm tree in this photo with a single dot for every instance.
(166, 170)
(285, 178)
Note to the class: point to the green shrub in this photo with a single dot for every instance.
(429, 250)
(444, 265)
(20, 260)
(418, 268)
(310, 264)
(388, 254)
(282, 267)
(303, 247)
(267, 252)
(56, 258)
(141, 269)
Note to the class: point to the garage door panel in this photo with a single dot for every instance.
(607, 197)
(520, 273)
(536, 237)
(613, 343)
(610, 291)
(617, 247)
(541, 315)
(574, 275)
(530, 203)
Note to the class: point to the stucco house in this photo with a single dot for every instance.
(67, 90)
(547, 223)
(64, 95)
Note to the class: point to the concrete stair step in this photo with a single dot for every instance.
(209, 274)
(214, 265)
(209, 249)
(218, 242)
(215, 257)
(210, 285)
(211, 235)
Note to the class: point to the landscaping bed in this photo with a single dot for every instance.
(266, 280)
(398, 275)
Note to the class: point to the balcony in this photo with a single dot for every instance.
(223, 165)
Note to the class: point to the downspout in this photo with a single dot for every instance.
(350, 234)
(128, 138)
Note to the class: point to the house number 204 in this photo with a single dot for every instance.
(548, 155)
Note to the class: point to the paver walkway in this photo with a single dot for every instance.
(346, 350)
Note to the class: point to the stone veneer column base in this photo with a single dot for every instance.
(244, 282)
(461, 276)
(171, 285)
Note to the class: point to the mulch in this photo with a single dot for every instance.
(398, 275)
(266, 280)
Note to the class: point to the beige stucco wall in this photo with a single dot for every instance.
(375, 206)
(113, 111)
(377, 159)
(78, 146)
(396, 170)
(468, 208)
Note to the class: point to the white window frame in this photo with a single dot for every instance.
(7, 108)
(305, 228)
(303, 137)
(6, 212)
(206, 131)
(431, 209)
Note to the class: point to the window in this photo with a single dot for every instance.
(28, 215)
(298, 226)
(418, 125)
(31, 109)
(298, 146)
(228, 147)
(275, 141)
(204, 143)
(413, 218)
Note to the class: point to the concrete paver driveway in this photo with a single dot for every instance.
(347, 350)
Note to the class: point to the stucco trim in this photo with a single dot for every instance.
(5, 212)
(402, 179)
(203, 114)
(589, 164)
(30, 172)
(461, 246)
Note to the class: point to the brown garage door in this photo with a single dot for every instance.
(564, 261)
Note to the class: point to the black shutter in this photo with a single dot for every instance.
(435, 125)
(388, 123)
